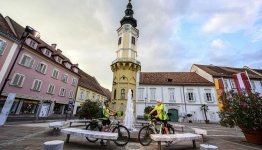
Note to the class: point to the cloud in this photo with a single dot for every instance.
(218, 44)
(238, 15)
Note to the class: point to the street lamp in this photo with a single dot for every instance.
(28, 30)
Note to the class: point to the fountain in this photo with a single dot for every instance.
(129, 114)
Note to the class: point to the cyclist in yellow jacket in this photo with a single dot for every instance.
(161, 114)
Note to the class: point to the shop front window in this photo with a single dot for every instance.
(29, 107)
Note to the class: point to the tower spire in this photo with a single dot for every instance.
(128, 18)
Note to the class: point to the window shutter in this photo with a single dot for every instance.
(194, 96)
(187, 97)
(213, 97)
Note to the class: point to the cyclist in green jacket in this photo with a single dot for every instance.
(161, 115)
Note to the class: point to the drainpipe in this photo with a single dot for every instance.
(184, 98)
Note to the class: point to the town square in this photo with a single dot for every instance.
(131, 74)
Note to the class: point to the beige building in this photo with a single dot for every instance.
(125, 67)
(89, 89)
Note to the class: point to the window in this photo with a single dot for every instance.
(74, 82)
(55, 73)
(65, 78)
(62, 92)
(32, 44)
(171, 92)
(225, 83)
(119, 40)
(82, 94)
(3, 45)
(232, 83)
(123, 93)
(141, 94)
(253, 85)
(27, 61)
(190, 95)
(51, 89)
(115, 94)
(71, 94)
(41, 67)
(152, 93)
(133, 40)
(208, 95)
(47, 53)
(36, 85)
(87, 95)
(18, 80)
(59, 60)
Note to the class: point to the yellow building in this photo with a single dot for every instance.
(89, 89)
(125, 67)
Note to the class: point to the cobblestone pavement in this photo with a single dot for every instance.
(31, 136)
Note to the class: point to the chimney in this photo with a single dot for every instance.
(54, 45)
(59, 51)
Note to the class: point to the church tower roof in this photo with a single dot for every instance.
(128, 18)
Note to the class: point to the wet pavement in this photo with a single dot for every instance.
(31, 136)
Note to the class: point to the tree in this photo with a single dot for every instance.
(204, 108)
(89, 110)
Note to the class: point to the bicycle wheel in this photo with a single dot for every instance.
(123, 135)
(171, 130)
(92, 127)
(144, 135)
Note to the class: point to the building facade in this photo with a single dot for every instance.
(89, 89)
(43, 79)
(223, 78)
(181, 93)
(125, 67)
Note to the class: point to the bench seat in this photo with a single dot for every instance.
(175, 138)
(91, 134)
(78, 121)
(202, 132)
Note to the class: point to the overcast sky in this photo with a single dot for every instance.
(174, 34)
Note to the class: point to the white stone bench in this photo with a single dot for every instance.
(78, 121)
(175, 137)
(179, 125)
(202, 132)
(91, 134)
(57, 125)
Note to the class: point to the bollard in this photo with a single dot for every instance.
(54, 145)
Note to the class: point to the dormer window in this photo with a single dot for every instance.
(169, 80)
(32, 44)
(75, 70)
(47, 52)
(59, 60)
(68, 65)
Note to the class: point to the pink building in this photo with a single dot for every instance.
(42, 76)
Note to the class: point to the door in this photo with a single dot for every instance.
(173, 115)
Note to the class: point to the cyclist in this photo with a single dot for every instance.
(107, 112)
(161, 115)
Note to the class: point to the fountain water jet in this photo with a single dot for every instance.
(129, 114)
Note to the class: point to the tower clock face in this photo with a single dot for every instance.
(126, 28)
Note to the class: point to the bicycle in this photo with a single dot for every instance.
(115, 127)
(145, 132)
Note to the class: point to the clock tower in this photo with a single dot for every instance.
(125, 67)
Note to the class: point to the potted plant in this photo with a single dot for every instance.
(244, 111)
(204, 108)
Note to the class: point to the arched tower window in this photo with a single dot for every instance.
(132, 94)
(119, 40)
(123, 93)
(115, 94)
(133, 40)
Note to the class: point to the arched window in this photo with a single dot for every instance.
(119, 40)
(132, 94)
(123, 93)
(133, 40)
(115, 94)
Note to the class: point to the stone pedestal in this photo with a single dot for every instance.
(54, 145)
(208, 147)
